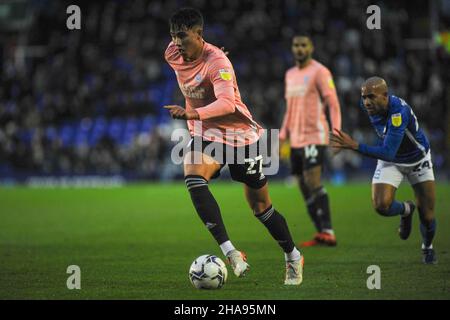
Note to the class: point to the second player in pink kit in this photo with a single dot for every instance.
(309, 92)
(213, 103)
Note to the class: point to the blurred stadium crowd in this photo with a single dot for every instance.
(89, 101)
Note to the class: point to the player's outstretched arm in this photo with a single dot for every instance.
(341, 140)
(177, 112)
(386, 151)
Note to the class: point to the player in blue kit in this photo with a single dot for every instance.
(404, 152)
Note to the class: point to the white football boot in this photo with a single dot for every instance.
(294, 272)
(238, 262)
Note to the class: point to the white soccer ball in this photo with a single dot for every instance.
(208, 272)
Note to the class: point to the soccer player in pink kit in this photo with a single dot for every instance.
(213, 103)
(309, 88)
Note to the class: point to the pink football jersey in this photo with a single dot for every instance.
(209, 86)
(307, 92)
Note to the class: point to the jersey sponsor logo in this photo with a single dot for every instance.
(396, 119)
(225, 74)
(296, 90)
(193, 92)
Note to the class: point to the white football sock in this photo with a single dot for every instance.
(407, 209)
(293, 255)
(329, 231)
(226, 247)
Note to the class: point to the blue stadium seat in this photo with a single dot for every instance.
(98, 130)
(66, 134)
(131, 125)
(115, 129)
(81, 138)
(26, 136)
(83, 129)
(147, 123)
(131, 129)
(127, 138)
(163, 118)
(51, 133)
(169, 87)
(156, 93)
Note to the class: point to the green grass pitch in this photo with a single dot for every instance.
(137, 242)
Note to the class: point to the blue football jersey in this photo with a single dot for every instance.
(402, 139)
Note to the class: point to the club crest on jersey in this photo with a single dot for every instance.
(198, 77)
(396, 119)
(225, 74)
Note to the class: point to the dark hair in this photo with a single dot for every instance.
(187, 17)
(302, 35)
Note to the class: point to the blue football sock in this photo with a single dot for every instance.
(396, 208)
(428, 232)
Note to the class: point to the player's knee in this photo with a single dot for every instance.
(427, 207)
(426, 216)
(260, 207)
(258, 201)
(259, 204)
(311, 184)
(204, 171)
(382, 206)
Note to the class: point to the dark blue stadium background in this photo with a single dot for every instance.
(89, 102)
